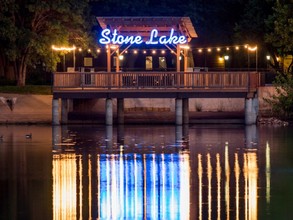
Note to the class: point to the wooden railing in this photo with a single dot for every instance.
(156, 80)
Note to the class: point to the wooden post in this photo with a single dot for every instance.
(178, 58)
(108, 58)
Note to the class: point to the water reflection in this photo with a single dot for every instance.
(149, 174)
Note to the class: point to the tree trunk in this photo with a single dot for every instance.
(20, 69)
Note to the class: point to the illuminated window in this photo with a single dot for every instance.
(162, 63)
(149, 63)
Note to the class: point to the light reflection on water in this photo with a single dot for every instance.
(142, 176)
(141, 172)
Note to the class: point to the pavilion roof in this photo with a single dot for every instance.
(143, 25)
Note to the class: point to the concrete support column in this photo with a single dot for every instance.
(109, 111)
(55, 112)
(64, 111)
(186, 111)
(251, 110)
(178, 110)
(120, 111)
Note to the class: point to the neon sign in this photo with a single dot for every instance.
(115, 38)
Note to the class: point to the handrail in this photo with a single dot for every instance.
(155, 80)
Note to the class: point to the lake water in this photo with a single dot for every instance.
(146, 172)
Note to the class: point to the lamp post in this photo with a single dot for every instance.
(256, 60)
(226, 58)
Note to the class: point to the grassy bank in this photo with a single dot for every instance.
(29, 89)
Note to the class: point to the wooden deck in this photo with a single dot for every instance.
(154, 84)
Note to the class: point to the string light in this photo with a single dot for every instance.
(63, 48)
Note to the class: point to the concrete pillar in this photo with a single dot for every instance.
(178, 111)
(186, 111)
(109, 111)
(251, 110)
(120, 111)
(64, 111)
(55, 112)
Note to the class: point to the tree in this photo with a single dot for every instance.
(281, 32)
(29, 28)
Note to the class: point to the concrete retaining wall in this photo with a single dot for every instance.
(38, 108)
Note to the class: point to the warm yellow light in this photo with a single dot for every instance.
(98, 50)
(221, 59)
(226, 57)
(209, 49)
(163, 51)
(218, 49)
(184, 46)
(135, 51)
(237, 48)
(246, 46)
(199, 50)
(126, 51)
(113, 46)
(89, 50)
(79, 49)
(227, 48)
(121, 57)
(268, 57)
(252, 48)
(63, 48)
(278, 58)
(153, 52)
(144, 52)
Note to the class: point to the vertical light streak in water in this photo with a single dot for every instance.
(245, 172)
(121, 183)
(199, 171)
(209, 171)
(64, 186)
(173, 199)
(114, 193)
(227, 182)
(237, 175)
(144, 188)
(127, 184)
(184, 210)
(90, 187)
(268, 173)
(250, 175)
(252, 179)
(99, 186)
(218, 170)
(80, 184)
(136, 201)
(154, 186)
(163, 171)
(108, 184)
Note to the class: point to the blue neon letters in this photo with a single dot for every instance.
(116, 38)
